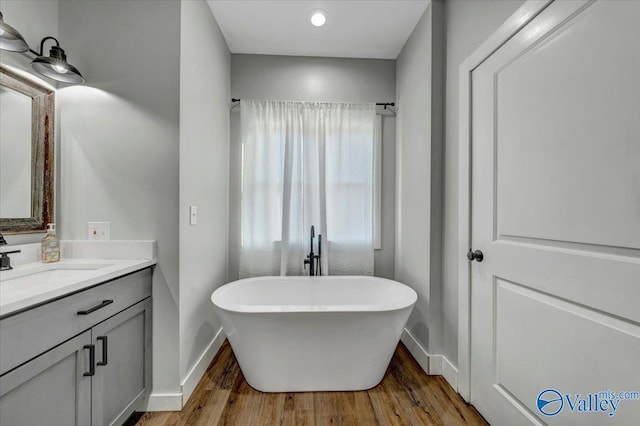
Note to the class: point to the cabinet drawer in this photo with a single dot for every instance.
(28, 334)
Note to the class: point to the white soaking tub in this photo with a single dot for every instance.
(299, 334)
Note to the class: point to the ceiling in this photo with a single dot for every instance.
(354, 28)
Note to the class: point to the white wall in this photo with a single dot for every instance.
(295, 78)
(119, 139)
(468, 24)
(418, 174)
(204, 176)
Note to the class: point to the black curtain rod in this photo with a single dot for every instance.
(384, 104)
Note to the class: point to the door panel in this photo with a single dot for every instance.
(119, 385)
(556, 211)
(50, 389)
(556, 340)
(567, 126)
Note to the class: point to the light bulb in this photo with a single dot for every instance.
(59, 69)
(318, 18)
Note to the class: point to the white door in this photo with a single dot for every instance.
(555, 137)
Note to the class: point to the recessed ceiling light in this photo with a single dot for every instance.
(318, 17)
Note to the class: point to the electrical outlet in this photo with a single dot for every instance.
(99, 231)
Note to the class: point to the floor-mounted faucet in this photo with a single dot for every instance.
(312, 259)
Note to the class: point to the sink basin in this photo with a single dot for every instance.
(49, 275)
(50, 271)
(21, 282)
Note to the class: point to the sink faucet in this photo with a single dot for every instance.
(312, 259)
(5, 260)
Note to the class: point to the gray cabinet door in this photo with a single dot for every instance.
(51, 389)
(123, 364)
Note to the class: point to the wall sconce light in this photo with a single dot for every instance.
(10, 38)
(55, 66)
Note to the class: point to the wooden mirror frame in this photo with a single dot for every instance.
(42, 154)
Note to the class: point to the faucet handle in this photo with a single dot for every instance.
(5, 253)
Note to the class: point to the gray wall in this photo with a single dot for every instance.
(468, 24)
(166, 117)
(204, 176)
(35, 19)
(322, 80)
(419, 174)
(118, 144)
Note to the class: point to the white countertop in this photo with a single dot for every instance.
(34, 283)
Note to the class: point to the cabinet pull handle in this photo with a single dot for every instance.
(104, 341)
(95, 308)
(92, 360)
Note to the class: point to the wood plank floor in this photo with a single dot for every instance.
(406, 396)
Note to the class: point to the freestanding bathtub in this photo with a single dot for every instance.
(299, 334)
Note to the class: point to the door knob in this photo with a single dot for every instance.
(475, 255)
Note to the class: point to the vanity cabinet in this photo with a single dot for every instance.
(50, 389)
(98, 376)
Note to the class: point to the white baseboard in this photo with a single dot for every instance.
(426, 361)
(163, 402)
(175, 401)
(200, 367)
(450, 373)
(433, 365)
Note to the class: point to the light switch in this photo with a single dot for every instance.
(193, 215)
(99, 231)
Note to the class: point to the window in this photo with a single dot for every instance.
(307, 164)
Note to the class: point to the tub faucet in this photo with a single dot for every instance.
(312, 259)
(319, 256)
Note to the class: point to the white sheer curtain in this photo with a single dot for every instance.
(306, 163)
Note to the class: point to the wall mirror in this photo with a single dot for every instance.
(26, 154)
